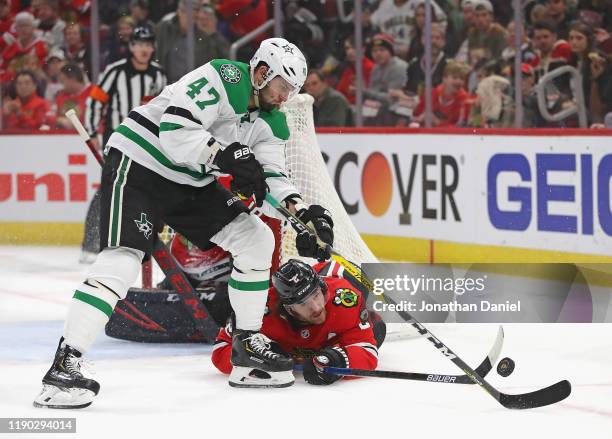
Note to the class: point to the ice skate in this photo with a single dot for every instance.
(259, 362)
(64, 385)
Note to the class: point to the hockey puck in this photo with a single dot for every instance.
(505, 366)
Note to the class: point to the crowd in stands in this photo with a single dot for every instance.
(46, 59)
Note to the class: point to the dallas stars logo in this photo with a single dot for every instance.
(230, 73)
(288, 49)
(144, 225)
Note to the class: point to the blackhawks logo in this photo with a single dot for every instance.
(230, 73)
(346, 297)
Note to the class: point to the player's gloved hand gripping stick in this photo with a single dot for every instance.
(200, 316)
(548, 395)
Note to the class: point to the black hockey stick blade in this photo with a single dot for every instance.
(483, 369)
(539, 398)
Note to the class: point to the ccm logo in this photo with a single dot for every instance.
(241, 152)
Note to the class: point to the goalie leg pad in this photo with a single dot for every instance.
(257, 378)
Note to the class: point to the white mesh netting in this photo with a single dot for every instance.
(309, 173)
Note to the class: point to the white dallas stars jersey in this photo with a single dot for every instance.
(266, 132)
(170, 134)
(398, 20)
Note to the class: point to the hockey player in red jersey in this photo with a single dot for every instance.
(318, 316)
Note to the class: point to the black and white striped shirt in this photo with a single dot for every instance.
(121, 89)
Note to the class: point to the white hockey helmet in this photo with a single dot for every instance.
(284, 59)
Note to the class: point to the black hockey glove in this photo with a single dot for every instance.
(331, 356)
(305, 242)
(248, 175)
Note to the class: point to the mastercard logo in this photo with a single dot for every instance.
(376, 184)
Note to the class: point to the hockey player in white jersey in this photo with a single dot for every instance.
(160, 167)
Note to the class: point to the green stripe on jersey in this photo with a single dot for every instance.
(94, 301)
(249, 286)
(273, 174)
(117, 201)
(157, 154)
(169, 126)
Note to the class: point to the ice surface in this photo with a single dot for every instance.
(170, 391)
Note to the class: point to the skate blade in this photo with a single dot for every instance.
(53, 397)
(243, 377)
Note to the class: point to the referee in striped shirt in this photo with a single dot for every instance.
(124, 85)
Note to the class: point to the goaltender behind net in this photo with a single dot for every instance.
(160, 167)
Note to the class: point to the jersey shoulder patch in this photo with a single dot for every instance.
(235, 78)
(277, 121)
(346, 297)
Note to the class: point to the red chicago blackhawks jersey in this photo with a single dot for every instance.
(347, 325)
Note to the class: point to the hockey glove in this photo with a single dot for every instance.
(248, 175)
(331, 356)
(305, 242)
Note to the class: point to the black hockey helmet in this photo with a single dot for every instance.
(143, 33)
(295, 281)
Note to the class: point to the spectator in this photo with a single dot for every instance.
(531, 112)
(538, 12)
(417, 47)
(487, 35)
(28, 110)
(449, 99)
(50, 25)
(330, 109)
(558, 12)
(243, 16)
(552, 52)
(457, 34)
(75, 50)
(601, 9)
(494, 107)
(303, 27)
(528, 54)
(172, 44)
(395, 18)
(55, 62)
(139, 11)
(595, 70)
(6, 25)
(73, 96)
(348, 76)
(415, 85)
(214, 44)
(119, 45)
(416, 68)
(388, 74)
(26, 43)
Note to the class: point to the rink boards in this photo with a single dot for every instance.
(456, 196)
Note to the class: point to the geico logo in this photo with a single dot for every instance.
(513, 185)
(25, 186)
(435, 176)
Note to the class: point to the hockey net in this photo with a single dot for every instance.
(309, 173)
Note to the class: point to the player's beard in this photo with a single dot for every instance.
(264, 104)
